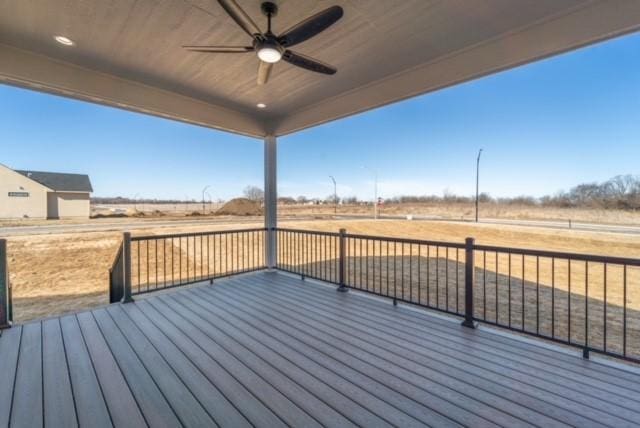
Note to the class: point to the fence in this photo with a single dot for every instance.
(591, 302)
(6, 305)
(151, 263)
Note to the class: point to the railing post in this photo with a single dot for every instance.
(342, 266)
(5, 292)
(126, 254)
(469, 270)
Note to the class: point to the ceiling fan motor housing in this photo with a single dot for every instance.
(269, 9)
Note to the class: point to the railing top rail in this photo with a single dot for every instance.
(560, 255)
(182, 235)
(407, 241)
(313, 232)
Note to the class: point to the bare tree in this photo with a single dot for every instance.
(253, 193)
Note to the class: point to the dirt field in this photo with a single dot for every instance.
(55, 274)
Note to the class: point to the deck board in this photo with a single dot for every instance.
(59, 405)
(9, 350)
(382, 336)
(89, 401)
(216, 404)
(268, 349)
(27, 397)
(120, 401)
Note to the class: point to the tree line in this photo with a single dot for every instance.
(620, 192)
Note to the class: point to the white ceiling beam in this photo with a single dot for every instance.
(38, 72)
(597, 21)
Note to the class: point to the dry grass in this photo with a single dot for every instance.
(466, 211)
(55, 274)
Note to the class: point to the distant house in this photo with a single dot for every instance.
(36, 194)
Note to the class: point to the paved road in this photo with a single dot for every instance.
(588, 227)
(113, 226)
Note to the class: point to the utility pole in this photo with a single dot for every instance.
(335, 195)
(204, 190)
(478, 182)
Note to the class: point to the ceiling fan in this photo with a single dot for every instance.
(271, 48)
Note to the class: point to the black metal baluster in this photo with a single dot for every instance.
(585, 351)
(484, 285)
(509, 284)
(553, 297)
(387, 272)
(569, 301)
(497, 290)
(457, 283)
(428, 277)
(604, 309)
(537, 294)
(437, 276)
(446, 277)
(367, 263)
(395, 275)
(411, 272)
(523, 280)
(624, 311)
(173, 255)
(402, 269)
(147, 245)
(419, 277)
(156, 249)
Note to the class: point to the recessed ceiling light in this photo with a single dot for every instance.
(64, 40)
(261, 105)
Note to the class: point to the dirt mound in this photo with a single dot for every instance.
(240, 206)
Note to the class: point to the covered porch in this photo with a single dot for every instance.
(248, 343)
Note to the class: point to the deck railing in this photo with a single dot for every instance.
(6, 305)
(160, 262)
(591, 302)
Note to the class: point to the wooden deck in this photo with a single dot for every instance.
(268, 349)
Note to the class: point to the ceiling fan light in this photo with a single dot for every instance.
(269, 54)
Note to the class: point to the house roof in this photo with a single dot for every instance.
(60, 182)
(128, 54)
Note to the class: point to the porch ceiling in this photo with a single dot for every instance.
(128, 53)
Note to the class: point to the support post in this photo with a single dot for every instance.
(270, 200)
(126, 253)
(5, 288)
(342, 266)
(469, 269)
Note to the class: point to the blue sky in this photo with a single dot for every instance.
(543, 127)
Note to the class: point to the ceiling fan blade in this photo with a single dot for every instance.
(240, 16)
(220, 49)
(264, 71)
(311, 26)
(308, 63)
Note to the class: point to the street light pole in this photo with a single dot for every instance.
(204, 190)
(478, 182)
(335, 195)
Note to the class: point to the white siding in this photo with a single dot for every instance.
(32, 206)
